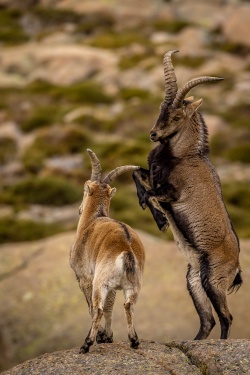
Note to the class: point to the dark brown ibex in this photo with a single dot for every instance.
(106, 255)
(182, 189)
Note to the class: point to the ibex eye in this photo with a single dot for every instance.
(176, 118)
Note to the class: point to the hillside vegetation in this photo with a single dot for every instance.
(77, 75)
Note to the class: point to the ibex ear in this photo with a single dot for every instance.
(112, 193)
(88, 189)
(192, 107)
(190, 98)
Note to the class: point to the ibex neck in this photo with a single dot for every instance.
(90, 212)
(192, 139)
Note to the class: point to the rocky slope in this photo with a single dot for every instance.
(81, 74)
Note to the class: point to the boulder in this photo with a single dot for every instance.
(220, 357)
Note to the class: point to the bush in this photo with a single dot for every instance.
(40, 117)
(173, 26)
(12, 230)
(10, 29)
(54, 191)
(8, 149)
(237, 198)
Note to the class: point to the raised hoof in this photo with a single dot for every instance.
(164, 227)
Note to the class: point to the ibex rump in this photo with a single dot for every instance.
(106, 255)
(182, 189)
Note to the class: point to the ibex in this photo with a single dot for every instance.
(106, 255)
(182, 189)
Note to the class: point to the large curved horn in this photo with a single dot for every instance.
(170, 78)
(117, 171)
(96, 166)
(180, 96)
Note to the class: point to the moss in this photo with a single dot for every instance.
(87, 91)
(8, 149)
(95, 22)
(190, 61)
(133, 92)
(237, 116)
(60, 141)
(40, 117)
(237, 198)
(11, 31)
(115, 153)
(114, 40)
(128, 62)
(239, 153)
(12, 230)
(56, 16)
(94, 124)
(172, 26)
(50, 190)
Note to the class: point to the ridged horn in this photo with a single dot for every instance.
(170, 78)
(96, 166)
(118, 171)
(180, 96)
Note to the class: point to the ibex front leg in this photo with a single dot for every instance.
(141, 178)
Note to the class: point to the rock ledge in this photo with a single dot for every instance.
(226, 357)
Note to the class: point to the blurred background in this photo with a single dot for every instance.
(77, 74)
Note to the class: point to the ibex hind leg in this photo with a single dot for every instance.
(130, 300)
(106, 335)
(98, 300)
(201, 302)
(216, 288)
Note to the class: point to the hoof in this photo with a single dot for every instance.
(164, 227)
(84, 349)
(134, 342)
(102, 338)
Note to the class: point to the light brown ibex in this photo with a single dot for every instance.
(106, 255)
(182, 189)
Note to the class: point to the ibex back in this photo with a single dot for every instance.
(182, 189)
(106, 255)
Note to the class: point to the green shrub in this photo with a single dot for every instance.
(54, 191)
(237, 198)
(83, 92)
(55, 16)
(237, 116)
(12, 230)
(172, 26)
(11, 31)
(8, 149)
(40, 117)
(119, 39)
(133, 92)
(239, 153)
(55, 141)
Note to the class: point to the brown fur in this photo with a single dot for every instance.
(106, 255)
(182, 189)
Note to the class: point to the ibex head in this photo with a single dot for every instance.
(175, 110)
(100, 187)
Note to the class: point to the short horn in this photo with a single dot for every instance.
(180, 96)
(96, 166)
(170, 78)
(118, 171)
